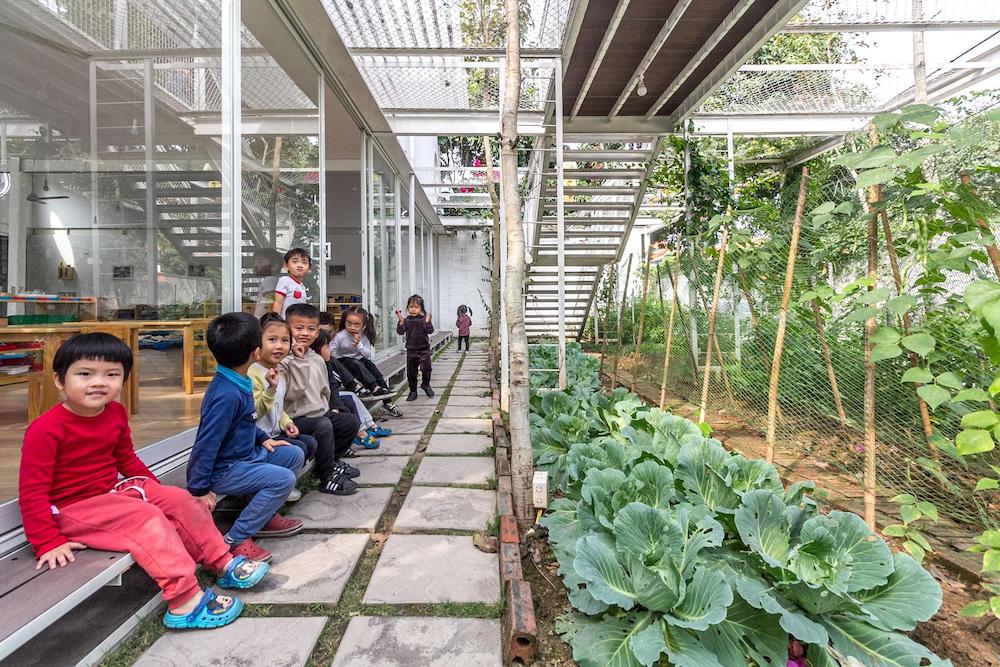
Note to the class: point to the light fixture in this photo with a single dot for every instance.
(641, 89)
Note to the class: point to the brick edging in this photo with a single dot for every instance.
(520, 628)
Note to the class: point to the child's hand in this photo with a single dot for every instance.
(210, 499)
(427, 318)
(271, 443)
(299, 350)
(399, 315)
(272, 378)
(60, 555)
(292, 430)
(357, 339)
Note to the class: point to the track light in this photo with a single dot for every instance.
(641, 89)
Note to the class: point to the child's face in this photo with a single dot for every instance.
(91, 384)
(275, 345)
(413, 309)
(355, 323)
(297, 266)
(261, 266)
(304, 329)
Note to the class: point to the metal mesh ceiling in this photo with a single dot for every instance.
(895, 11)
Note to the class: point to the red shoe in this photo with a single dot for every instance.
(248, 549)
(280, 526)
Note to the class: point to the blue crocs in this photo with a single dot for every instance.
(379, 431)
(242, 573)
(368, 442)
(208, 614)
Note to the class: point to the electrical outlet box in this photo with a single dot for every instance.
(540, 489)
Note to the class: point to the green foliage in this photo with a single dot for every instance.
(581, 368)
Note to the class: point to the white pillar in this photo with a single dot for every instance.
(324, 244)
(560, 227)
(232, 155)
(149, 138)
(413, 234)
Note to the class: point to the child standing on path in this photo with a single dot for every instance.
(464, 324)
(231, 455)
(71, 498)
(416, 327)
(270, 386)
(290, 289)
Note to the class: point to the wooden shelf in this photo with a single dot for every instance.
(19, 378)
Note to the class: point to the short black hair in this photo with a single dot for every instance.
(325, 318)
(323, 339)
(306, 310)
(232, 338)
(298, 252)
(269, 319)
(93, 346)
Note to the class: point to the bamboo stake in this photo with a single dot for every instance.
(755, 321)
(621, 316)
(677, 305)
(897, 277)
(607, 323)
(779, 339)
(874, 197)
(991, 248)
(713, 340)
(669, 332)
(642, 316)
(828, 362)
(711, 325)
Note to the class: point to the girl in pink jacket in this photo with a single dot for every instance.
(464, 324)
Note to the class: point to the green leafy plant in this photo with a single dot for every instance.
(912, 511)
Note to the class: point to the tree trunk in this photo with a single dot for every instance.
(674, 285)
(874, 197)
(272, 210)
(991, 248)
(779, 339)
(642, 317)
(494, 256)
(919, 58)
(711, 326)
(520, 432)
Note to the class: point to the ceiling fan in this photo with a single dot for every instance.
(35, 199)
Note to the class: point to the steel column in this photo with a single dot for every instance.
(95, 203)
(413, 234)
(560, 226)
(149, 120)
(232, 156)
(324, 247)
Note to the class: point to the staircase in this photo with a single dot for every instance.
(603, 186)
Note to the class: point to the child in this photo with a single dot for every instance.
(346, 401)
(464, 324)
(70, 496)
(346, 377)
(269, 387)
(417, 327)
(307, 400)
(231, 455)
(266, 263)
(353, 347)
(290, 289)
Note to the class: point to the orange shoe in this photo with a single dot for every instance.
(280, 526)
(251, 551)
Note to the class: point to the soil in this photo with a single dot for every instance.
(551, 600)
(966, 641)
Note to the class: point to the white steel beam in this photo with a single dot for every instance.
(560, 222)
(889, 26)
(467, 123)
(602, 50)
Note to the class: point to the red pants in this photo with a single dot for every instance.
(165, 528)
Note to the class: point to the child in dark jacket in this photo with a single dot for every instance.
(231, 455)
(417, 327)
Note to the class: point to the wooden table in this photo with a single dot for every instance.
(128, 331)
(51, 338)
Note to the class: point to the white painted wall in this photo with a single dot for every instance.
(464, 277)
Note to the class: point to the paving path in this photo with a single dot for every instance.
(388, 576)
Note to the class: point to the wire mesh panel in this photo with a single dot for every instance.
(895, 11)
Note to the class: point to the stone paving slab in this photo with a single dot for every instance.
(459, 399)
(469, 391)
(360, 510)
(406, 424)
(415, 410)
(463, 382)
(446, 470)
(403, 404)
(437, 508)
(403, 444)
(262, 642)
(424, 641)
(466, 411)
(379, 469)
(433, 568)
(464, 426)
(307, 568)
(458, 443)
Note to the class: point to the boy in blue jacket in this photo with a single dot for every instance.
(231, 456)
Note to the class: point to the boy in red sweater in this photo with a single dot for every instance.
(71, 497)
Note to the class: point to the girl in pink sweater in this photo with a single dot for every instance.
(464, 324)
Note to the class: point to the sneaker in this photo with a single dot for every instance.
(280, 526)
(338, 485)
(382, 392)
(412, 396)
(294, 496)
(360, 390)
(340, 467)
(249, 550)
(391, 408)
(349, 454)
(427, 390)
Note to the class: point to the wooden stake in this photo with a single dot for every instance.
(897, 277)
(713, 340)
(711, 325)
(669, 333)
(642, 316)
(621, 316)
(874, 197)
(779, 339)
(991, 248)
(828, 362)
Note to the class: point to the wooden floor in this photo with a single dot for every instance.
(164, 410)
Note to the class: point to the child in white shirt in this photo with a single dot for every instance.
(290, 288)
